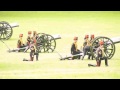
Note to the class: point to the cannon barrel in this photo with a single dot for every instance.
(14, 25)
(116, 40)
(56, 36)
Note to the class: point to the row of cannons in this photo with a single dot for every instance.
(47, 43)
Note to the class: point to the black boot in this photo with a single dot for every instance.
(91, 65)
(37, 55)
(72, 58)
(79, 57)
(92, 58)
(25, 59)
(82, 57)
(106, 61)
(98, 63)
(89, 56)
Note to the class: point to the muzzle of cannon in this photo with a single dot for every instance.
(109, 45)
(6, 30)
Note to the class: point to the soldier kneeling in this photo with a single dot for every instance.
(100, 55)
(32, 53)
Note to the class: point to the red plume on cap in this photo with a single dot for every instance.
(34, 32)
(29, 32)
(86, 36)
(101, 42)
(92, 36)
(75, 38)
(21, 35)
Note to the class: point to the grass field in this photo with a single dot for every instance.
(68, 24)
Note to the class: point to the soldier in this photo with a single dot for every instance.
(29, 38)
(31, 43)
(91, 39)
(85, 40)
(100, 55)
(74, 49)
(20, 42)
(28, 41)
(36, 51)
(33, 52)
(20, 45)
(86, 46)
(35, 37)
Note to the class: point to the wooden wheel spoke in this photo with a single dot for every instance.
(47, 42)
(109, 46)
(6, 30)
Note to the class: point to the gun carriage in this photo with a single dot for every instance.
(46, 42)
(109, 47)
(6, 30)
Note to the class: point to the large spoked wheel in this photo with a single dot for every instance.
(45, 43)
(109, 47)
(5, 30)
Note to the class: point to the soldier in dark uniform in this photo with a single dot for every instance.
(74, 49)
(29, 38)
(33, 52)
(100, 55)
(35, 36)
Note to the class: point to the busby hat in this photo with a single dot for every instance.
(29, 32)
(21, 35)
(101, 42)
(92, 36)
(86, 36)
(75, 38)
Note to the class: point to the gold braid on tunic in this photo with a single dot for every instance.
(76, 46)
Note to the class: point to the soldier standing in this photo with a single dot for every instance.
(91, 40)
(34, 36)
(29, 38)
(86, 46)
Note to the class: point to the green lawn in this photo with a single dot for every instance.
(68, 24)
